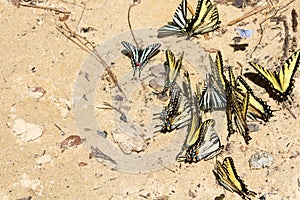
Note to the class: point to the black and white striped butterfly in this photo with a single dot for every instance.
(178, 23)
(139, 57)
(211, 98)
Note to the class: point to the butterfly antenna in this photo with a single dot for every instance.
(288, 108)
(134, 3)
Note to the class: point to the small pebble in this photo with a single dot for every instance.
(28, 132)
(72, 140)
(158, 70)
(260, 160)
(253, 127)
(157, 83)
(44, 159)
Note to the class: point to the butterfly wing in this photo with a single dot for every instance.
(223, 177)
(211, 98)
(240, 117)
(206, 19)
(287, 72)
(179, 22)
(218, 72)
(237, 112)
(210, 144)
(231, 77)
(216, 75)
(193, 130)
(238, 184)
(172, 68)
(146, 54)
(257, 107)
(134, 54)
(245, 33)
(173, 115)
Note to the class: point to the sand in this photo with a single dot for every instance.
(39, 70)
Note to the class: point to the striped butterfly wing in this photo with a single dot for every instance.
(220, 69)
(170, 112)
(140, 57)
(282, 82)
(216, 72)
(209, 144)
(237, 183)
(231, 78)
(193, 130)
(179, 21)
(240, 119)
(238, 114)
(212, 98)
(206, 19)
(172, 69)
(257, 107)
(223, 178)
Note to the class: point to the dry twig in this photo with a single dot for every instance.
(261, 23)
(90, 48)
(59, 10)
(135, 2)
(248, 14)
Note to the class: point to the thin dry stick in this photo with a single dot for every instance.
(81, 15)
(191, 9)
(87, 46)
(45, 8)
(261, 28)
(248, 14)
(135, 2)
(286, 40)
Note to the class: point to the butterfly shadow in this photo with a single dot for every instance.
(239, 47)
(256, 79)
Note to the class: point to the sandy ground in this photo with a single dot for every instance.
(35, 55)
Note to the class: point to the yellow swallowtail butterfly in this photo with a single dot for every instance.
(281, 82)
(227, 176)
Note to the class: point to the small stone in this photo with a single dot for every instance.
(28, 132)
(129, 144)
(36, 92)
(253, 127)
(44, 159)
(260, 160)
(158, 70)
(82, 164)
(157, 83)
(72, 140)
(118, 98)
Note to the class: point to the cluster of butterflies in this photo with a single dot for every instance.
(221, 91)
